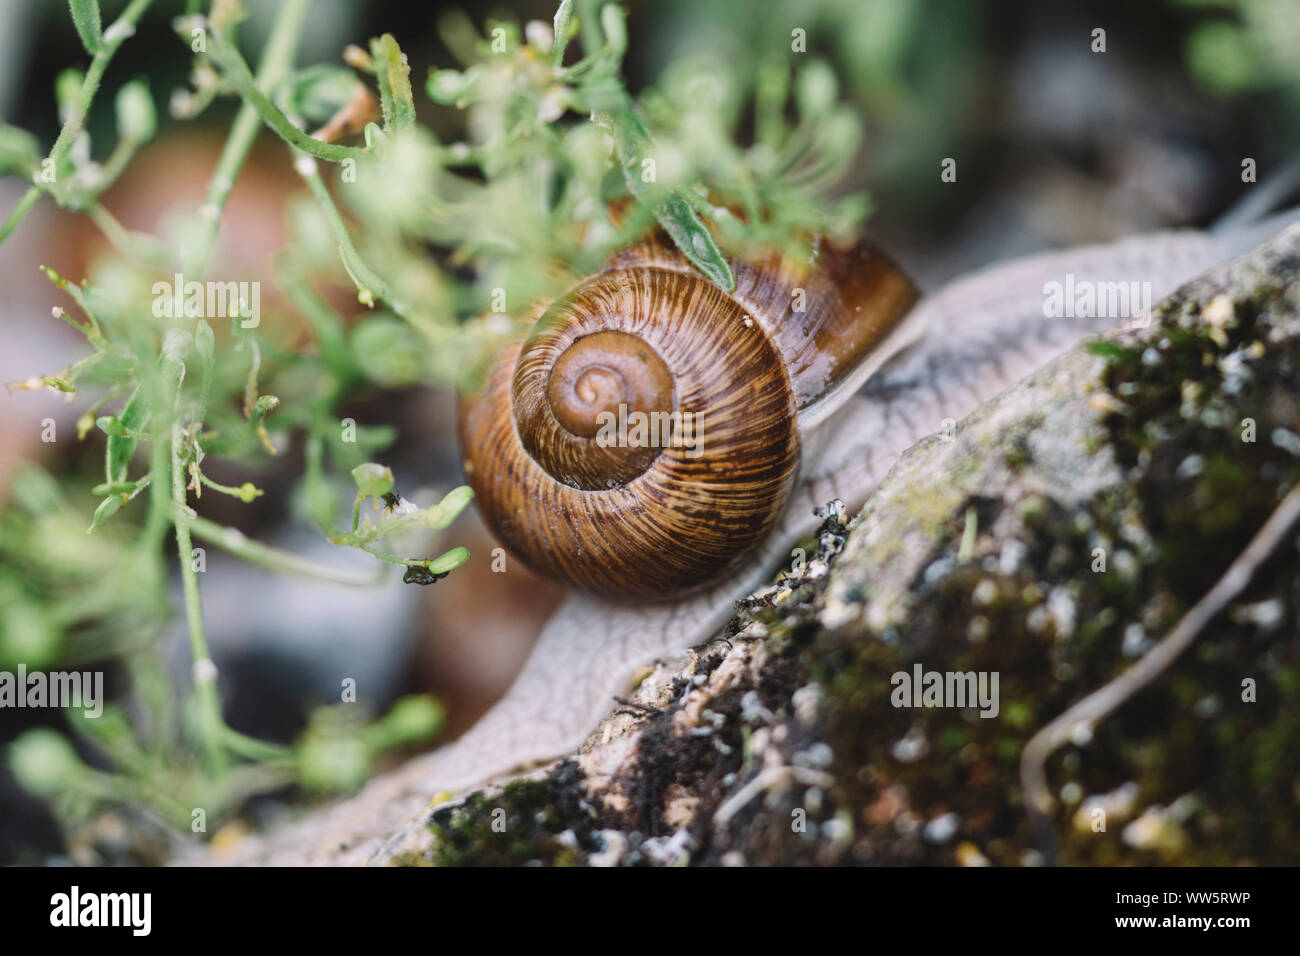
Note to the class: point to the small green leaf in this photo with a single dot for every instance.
(67, 87)
(45, 762)
(330, 759)
(318, 92)
(695, 241)
(135, 416)
(376, 139)
(1219, 55)
(615, 26)
(1108, 350)
(563, 21)
(445, 87)
(85, 17)
(136, 119)
(107, 508)
(116, 488)
(449, 561)
(19, 151)
(28, 633)
(452, 504)
(674, 213)
(413, 718)
(394, 75)
(815, 89)
(373, 481)
(263, 406)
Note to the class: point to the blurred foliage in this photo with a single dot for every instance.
(448, 244)
(1246, 46)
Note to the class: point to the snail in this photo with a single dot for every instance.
(722, 392)
(983, 332)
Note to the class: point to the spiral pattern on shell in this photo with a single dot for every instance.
(649, 515)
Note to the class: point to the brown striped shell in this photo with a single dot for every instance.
(646, 434)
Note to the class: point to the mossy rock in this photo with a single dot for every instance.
(1064, 529)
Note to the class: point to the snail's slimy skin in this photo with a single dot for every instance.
(986, 331)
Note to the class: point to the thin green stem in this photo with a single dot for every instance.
(254, 749)
(211, 724)
(273, 559)
(74, 291)
(236, 70)
(390, 557)
(114, 36)
(116, 163)
(83, 329)
(370, 284)
(227, 489)
(277, 61)
(133, 245)
(24, 206)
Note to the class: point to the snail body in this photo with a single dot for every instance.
(646, 434)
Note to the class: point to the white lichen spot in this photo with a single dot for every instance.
(911, 747)
(1218, 312)
(806, 702)
(1105, 402)
(985, 593)
(942, 828)
(1062, 608)
(1266, 615)
(1287, 440)
(1157, 829)
(615, 847)
(552, 104)
(968, 854)
(181, 104)
(1135, 640)
(1013, 552)
(1116, 805)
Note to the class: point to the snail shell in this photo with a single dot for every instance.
(719, 390)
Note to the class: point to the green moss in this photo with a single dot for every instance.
(528, 822)
(1200, 493)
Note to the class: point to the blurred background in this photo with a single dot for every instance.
(1055, 145)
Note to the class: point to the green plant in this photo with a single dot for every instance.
(1244, 46)
(560, 167)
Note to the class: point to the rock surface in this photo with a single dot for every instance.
(1049, 542)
